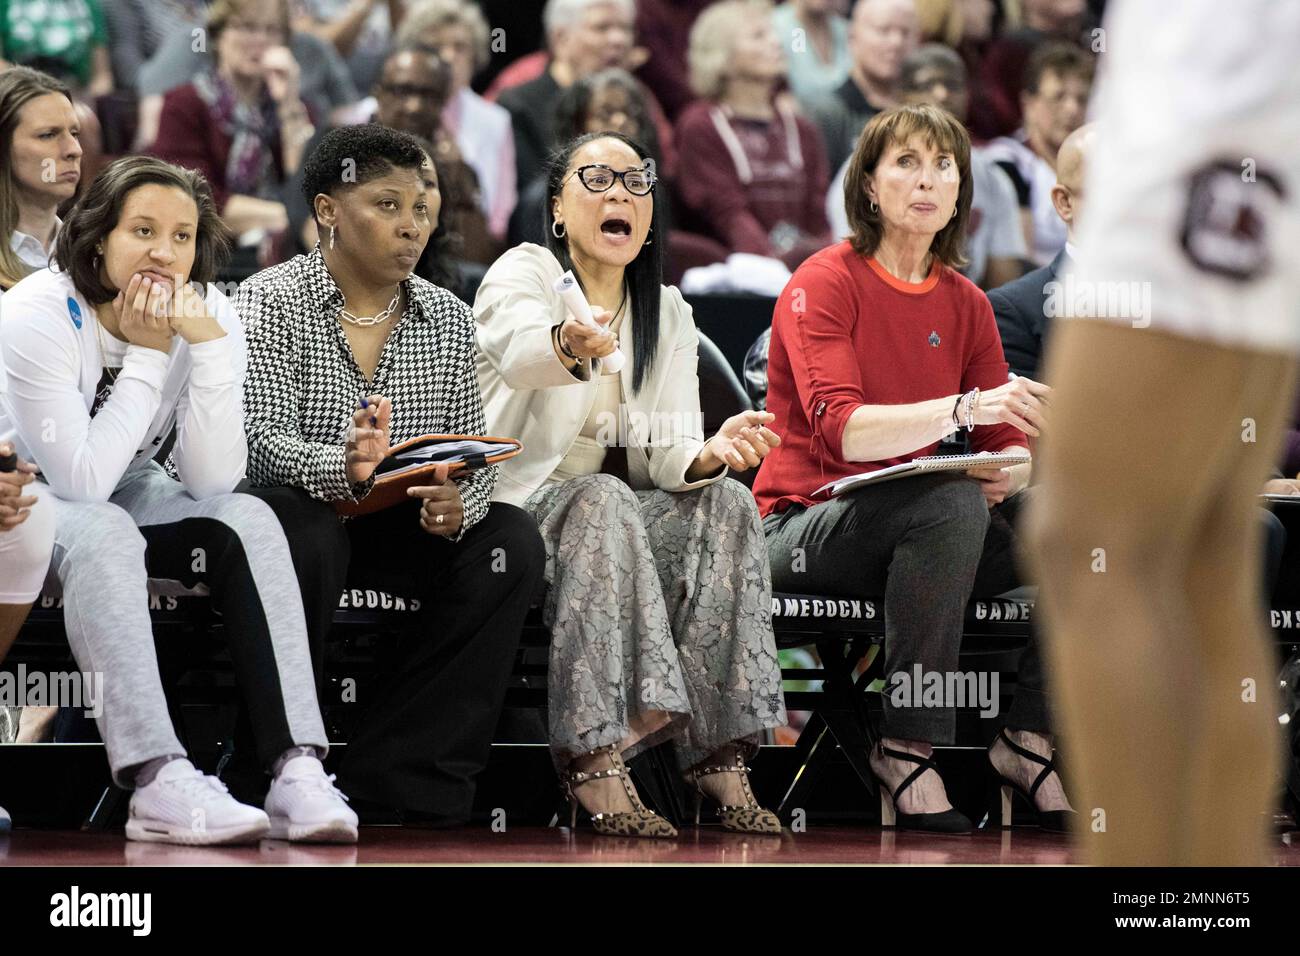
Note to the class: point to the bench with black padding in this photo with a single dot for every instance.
(843, 630)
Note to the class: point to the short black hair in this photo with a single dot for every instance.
(349, 156)
(96, 214)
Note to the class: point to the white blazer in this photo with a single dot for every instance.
(529, 394)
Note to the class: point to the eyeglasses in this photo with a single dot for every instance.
(600, 179)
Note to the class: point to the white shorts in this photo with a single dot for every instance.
(1190, 220)
(25, 550)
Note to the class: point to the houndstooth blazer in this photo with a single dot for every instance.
(303, 384)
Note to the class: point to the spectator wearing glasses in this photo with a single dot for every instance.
(413, 86)
(241, 123)
(1055, 99)
(659, 597)
(879, 349)
(188, 48)
(608, 100)
(752, 173)
(995, 244)
(1026, 27)
(482, 130)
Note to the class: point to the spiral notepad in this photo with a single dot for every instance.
(921, 466)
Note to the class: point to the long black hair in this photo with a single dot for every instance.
(643, 275)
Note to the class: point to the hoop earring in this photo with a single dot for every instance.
(873, 206)
(649, 233)
(331, 237)
(561, 232)
(954, 213)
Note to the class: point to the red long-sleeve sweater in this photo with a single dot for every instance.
(846, 333)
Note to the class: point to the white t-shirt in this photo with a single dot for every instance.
(1038, 174)
(53, 352)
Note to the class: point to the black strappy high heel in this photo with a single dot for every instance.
(945, 821)
(1057, 821)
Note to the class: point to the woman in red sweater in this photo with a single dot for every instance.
(880, 348)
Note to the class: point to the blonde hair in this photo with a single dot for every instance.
(428, 15)
(713, 41)
(223, 11)
(941, 20)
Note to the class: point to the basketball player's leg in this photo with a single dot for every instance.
(1141, 455)
(1232, 776)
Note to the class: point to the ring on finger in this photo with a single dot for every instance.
(439, 519)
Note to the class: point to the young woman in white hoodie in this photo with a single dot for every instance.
(105, 353)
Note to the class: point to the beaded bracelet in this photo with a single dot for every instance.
(972, 397)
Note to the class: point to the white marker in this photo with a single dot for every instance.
(576, 302)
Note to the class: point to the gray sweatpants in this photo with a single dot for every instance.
(231, 546)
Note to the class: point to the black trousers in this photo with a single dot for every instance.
(929, 544)
(425, 735)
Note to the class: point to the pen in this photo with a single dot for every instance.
(373, 421)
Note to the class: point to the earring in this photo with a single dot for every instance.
(331, 237)
(954, 213)
(650, 232)
(873, 206)
(557, 229)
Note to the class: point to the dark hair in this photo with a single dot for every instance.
(96, 214)
(941, 129)
(574, 102)
(349, 156)
(18, 87)
(1063, 59)
(436, 263)
(644, 274)
(931, 56)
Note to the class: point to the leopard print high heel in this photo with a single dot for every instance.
(638, 822)
(746, 818)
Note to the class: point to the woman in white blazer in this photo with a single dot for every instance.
(659, 592)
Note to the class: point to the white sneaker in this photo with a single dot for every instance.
(304, 805)
(182, 805)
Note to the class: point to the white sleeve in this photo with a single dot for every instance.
(211, 453)
(82, 458)
(1006, 238)
(836, 214)
(514, 310)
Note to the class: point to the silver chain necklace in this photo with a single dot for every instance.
(371, 319)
